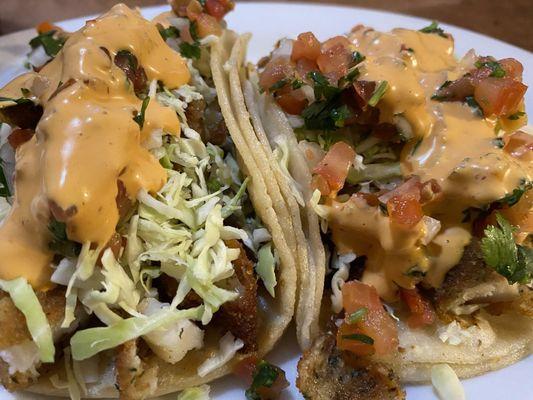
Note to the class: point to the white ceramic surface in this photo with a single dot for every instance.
(268, 22)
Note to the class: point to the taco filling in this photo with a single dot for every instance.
(130, 247)
(420, 171)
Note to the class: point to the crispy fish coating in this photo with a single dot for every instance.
(14, 332)
(135, 379)
(326, 373)
(470, 284)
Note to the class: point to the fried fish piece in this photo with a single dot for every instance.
(325, 373)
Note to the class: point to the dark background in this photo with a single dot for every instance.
(508, 20)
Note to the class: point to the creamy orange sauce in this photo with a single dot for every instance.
(86, 139)
(456, 148)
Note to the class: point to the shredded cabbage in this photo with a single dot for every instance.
(342, 264)
(228, 347)
(195, 393)
(265, 268)
(73, 388)
(26, 301)
(86, 343)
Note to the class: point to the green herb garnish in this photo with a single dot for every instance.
(360, 337)
(517, 115)
(60, 243)
(170, 32)
(498, 142)
(4, 188)
(322, 88)
(340, 115)
(500, 252)
(139, 117)
(474, 105)
(514, 197)
(378, 93)
(434, 28)
(189, 50)
(265, 375)
(358, 57)
(50, 44)
(493, 65)
(20, 100)
(357, 316)
(278, 85)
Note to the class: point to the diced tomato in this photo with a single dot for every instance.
(46, 26)
(376, 323)
(499, 96)
(363, 91)
(19, 137)
(208, 25)
(218, 8)
(405, 210)
(304, 66)
(422, 313)
(273, 392)
(513, 68)
(519, 145)
(370, 198)
(276, 70)
(245, 368)
(292, 101)
(335, 58)
(335, 165)
(305, 46)
(320, 183)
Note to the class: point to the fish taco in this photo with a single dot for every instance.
(412, 174)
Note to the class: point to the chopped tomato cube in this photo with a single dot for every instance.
(306, 46)
(422, 313)
(335, 58)
(335, 165)
(513, 68)
(304, 66)
(218, 8)
(208, 25)
(376, 324)
(519, 145)
(245, 368)
(405, 210)
(499, 96)
(276, 70)
(292, 101)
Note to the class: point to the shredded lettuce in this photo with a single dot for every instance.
(282, 154)
(195, 393)
(228, 347)
(26, 301)
(86, 343)
(265, 268)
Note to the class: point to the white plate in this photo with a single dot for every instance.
(268, 22)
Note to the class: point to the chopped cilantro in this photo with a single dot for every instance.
(415, 272)
(434, 28)
(193, 30)
(474, 105)
(517, 115)
(296, 84)
(339, 115)
(358, 57)
(416, 146)
(25, 92)
(60, 243)
(353, 74)
(500, 252)
(20, 100)
(378, 93)
(360, 337)
(357, 316)
(49, 42)
(265, 375)
(170, 32)
(514, 197)
(322, 87)
(189, 50)
(279, 84)
(139, 117)
(493, 65)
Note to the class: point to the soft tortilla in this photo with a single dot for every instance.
(275, 314)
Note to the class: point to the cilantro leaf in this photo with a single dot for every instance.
(265, 375)
(60, 243)
(20, 100)
(434, 28)
(500, 252)
(358, 57)
(170, 32)
(514, 197)
(189, 50)
(493, 65)
(50, 43)
(279, 84)
(378, 93)
(517, 115)
(357, 316)
(339, 115)
(360, 337)
(322, 88)
(474, 105)
(139, 117)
